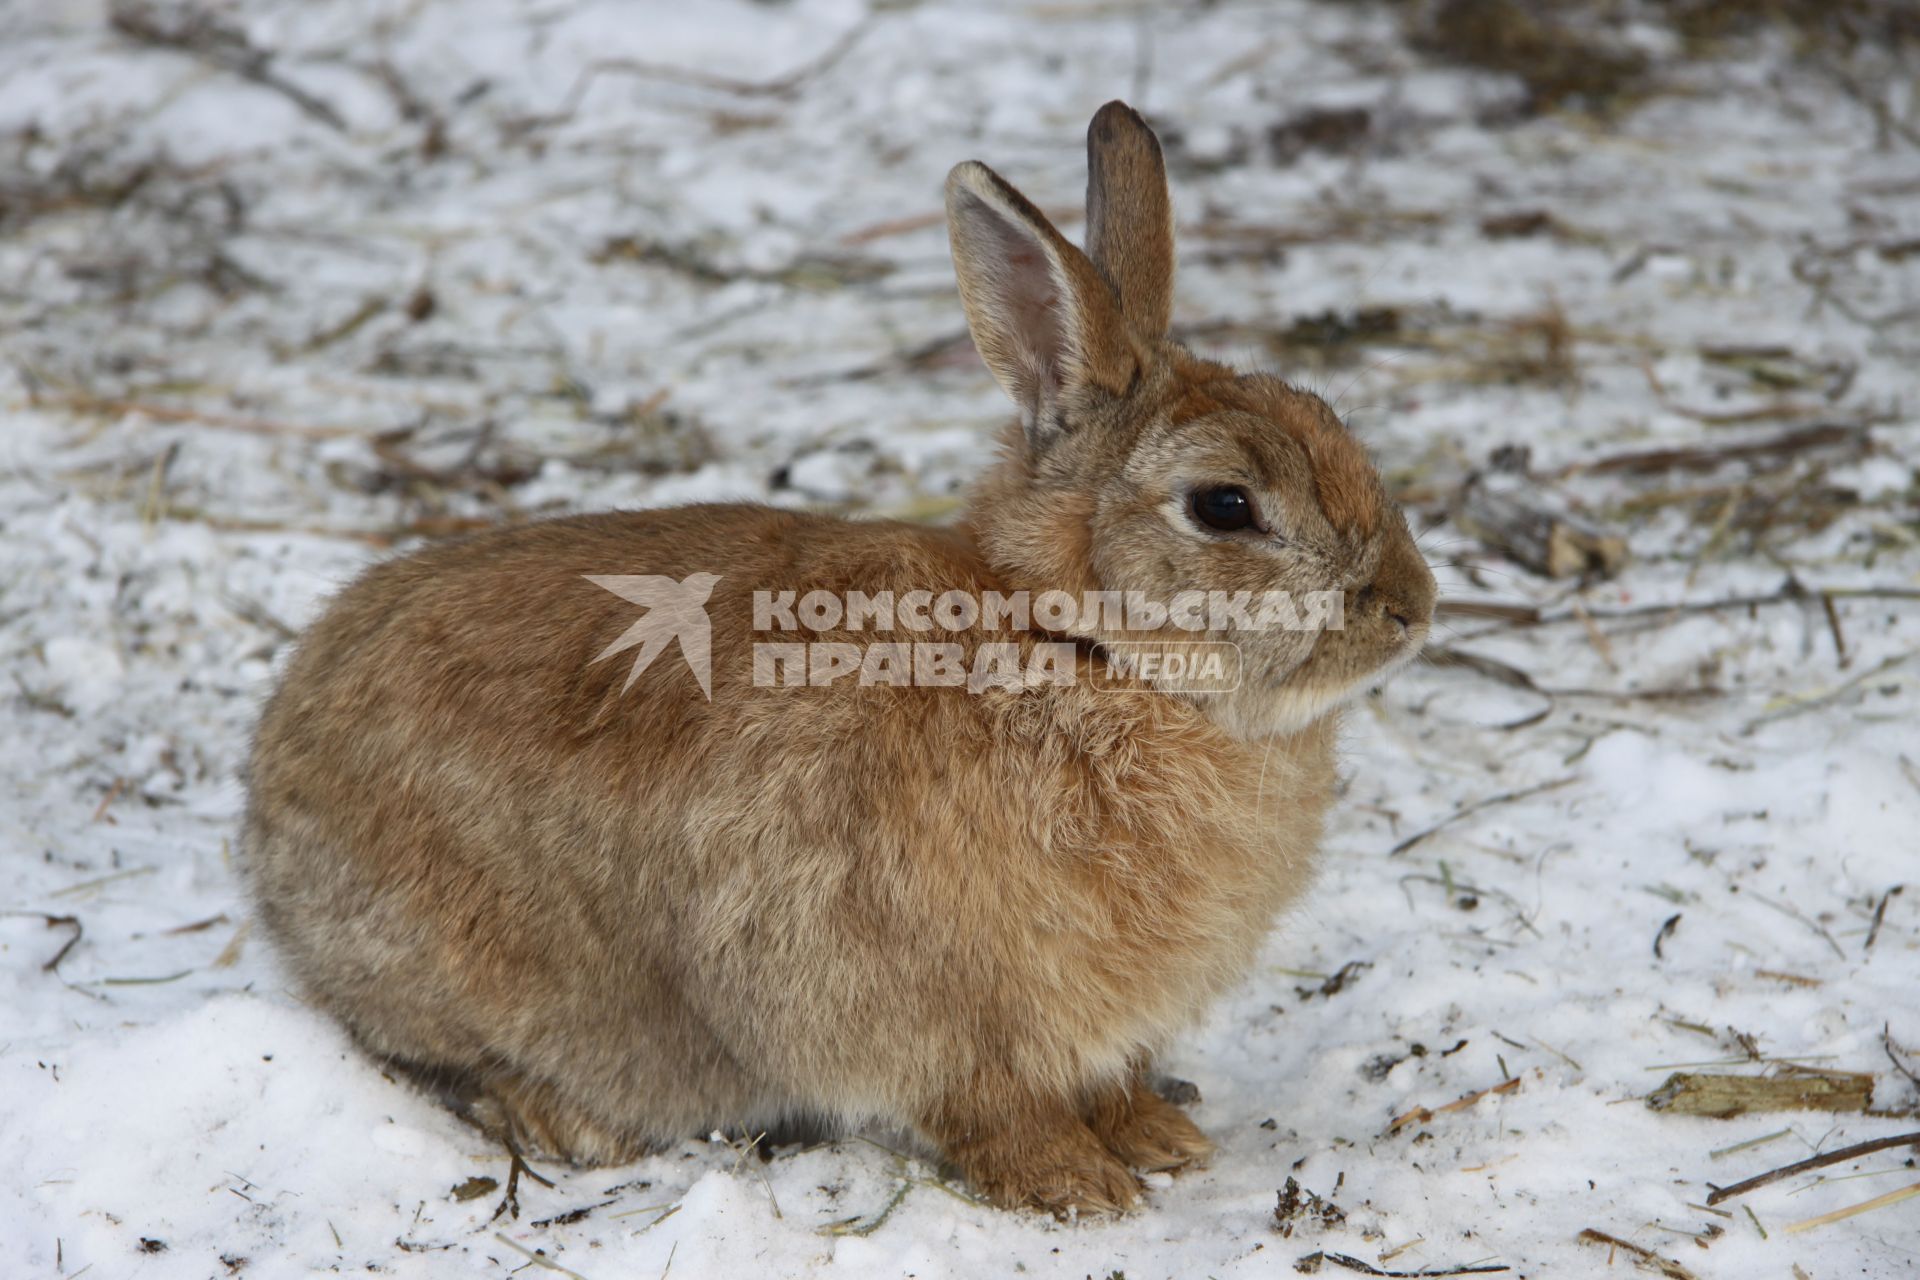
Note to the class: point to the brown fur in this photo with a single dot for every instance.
(621, 916)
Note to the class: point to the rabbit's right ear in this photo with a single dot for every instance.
(1130, 217)
(1042, 316)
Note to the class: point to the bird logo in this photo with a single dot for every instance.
(676, 610)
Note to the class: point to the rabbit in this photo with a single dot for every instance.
(609, 904)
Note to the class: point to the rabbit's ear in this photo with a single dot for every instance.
(1043, 318)
(1130, 217)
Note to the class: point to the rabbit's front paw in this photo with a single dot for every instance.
(1145, 1131)
(1066, 1180)
(1047, 1160)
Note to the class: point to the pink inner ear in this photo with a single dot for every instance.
(1033, 306)
(1023, 318)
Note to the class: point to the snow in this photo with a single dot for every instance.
(780, 325)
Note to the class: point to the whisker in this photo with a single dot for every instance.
(1260, 787)
(1470, 566)
(1377, 365)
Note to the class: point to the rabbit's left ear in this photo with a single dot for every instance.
(1130, 217)
(1044, 318)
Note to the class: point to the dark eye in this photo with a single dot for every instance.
(1226, 508)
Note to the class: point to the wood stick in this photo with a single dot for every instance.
(1707, 457)
(1841, 1156)
(1833, 625)
(1423, 1114)
(1312, 1261)
(1534, 527)
(1665, 1266)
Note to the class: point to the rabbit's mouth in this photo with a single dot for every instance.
(1290, 701)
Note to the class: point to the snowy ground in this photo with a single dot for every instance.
(441, 263)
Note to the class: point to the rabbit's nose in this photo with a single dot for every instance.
(1393, 608)
(1402, 591)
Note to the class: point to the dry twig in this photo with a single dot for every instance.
(1466, 811)
(1841, 1156)
(199, 34)
(1642, 1257)
(779, 87)
(1879, 917)
(62, 922)
(1420, 1115)
(1783, 447)
(1311, 1264)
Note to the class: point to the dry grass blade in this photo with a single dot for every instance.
(1799, 705)
(230, 954)
(1494, 609)
(105, 407)
(537, 1258)
(106, 801)
(1800, 918)
(866, 1227)
(1508, 674)
(1748, 1145)
(99, 881)
(1467, 811)
(1866, 1206)
(1526, 616)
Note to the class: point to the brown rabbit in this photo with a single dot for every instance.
(620, 904)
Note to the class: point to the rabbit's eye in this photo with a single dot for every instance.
(1226, 508)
